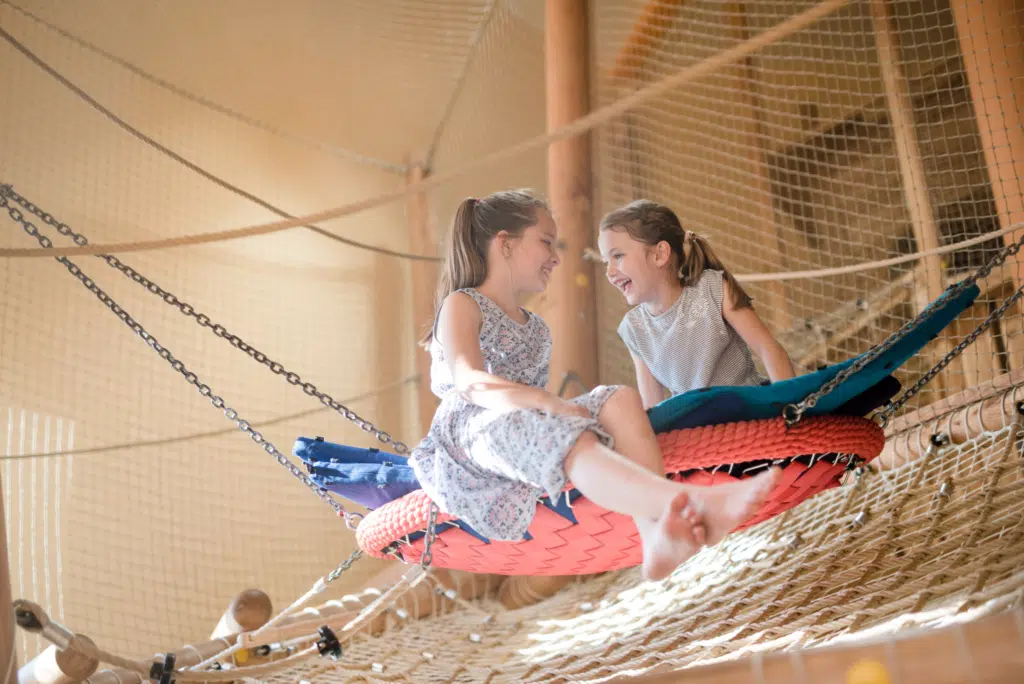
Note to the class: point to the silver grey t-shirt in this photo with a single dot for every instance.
(690, 346)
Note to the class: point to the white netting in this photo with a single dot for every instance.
(860, 137)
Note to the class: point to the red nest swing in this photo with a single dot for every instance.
(584, 538)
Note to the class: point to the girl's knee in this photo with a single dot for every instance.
(624, 398)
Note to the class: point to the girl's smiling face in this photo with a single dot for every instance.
(631, 266)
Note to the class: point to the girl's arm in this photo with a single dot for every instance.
(757, 336)
(651, 391)
(458, 330)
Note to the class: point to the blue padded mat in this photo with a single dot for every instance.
(728, 404)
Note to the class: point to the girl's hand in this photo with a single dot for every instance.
(560, 407)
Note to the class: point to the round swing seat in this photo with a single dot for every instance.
(582, 538)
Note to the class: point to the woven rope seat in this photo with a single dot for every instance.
(575, 536)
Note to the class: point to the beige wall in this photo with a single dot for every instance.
(153, 542)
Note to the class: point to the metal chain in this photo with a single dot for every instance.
(891, 408)
(794, 412)
(204, 321)
(351, 519)
(345, 565)
(428, 544)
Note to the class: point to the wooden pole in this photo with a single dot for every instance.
(991, 37)
(8, 663)
(908, 152)
(963, 416)
(57, 666)
(766, 229)
(248, 611)
(424, 282)
(573, 319)
(647, 32)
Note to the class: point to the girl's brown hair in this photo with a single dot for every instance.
(476, 223)
(650, 223)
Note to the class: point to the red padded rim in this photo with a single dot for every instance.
(603, 540)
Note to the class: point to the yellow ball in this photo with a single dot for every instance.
(582, 280)
(867, 672)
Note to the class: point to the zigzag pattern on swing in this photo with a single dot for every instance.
(584, 538)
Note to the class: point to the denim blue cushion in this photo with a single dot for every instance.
(368, 477)
(315, 449)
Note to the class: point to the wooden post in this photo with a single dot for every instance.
(573, 318)
(56, 666)
(908, 152)
(648, 30)
(249, 611)
(766, 229)
(991, 37)
(988, 406)
(8, 663)
(424, 282)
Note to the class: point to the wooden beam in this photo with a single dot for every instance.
(8, 662)
(985, 650)
(879, 304)
(766, 230)
(419, 602)
(424, 282)
(960, 417)
(991, 35)
(908, 152)
(573, 318)
(649, 29)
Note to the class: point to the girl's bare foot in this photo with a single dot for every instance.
(723, 508)
(672, 539)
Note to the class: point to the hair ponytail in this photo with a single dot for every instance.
(651, 223)
(476, 223)
(697, 256)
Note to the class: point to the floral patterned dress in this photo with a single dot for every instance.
(489, 467)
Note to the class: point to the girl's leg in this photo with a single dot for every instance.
(673, 519)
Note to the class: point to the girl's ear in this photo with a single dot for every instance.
(662, 253)
(504, 246)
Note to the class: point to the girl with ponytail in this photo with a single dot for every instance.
(692, 325)
(499, 440)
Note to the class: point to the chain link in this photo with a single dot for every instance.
(345, 565)
(794, 412)
(351, 519)
(891, 408)
(204, 321)
(428, 543)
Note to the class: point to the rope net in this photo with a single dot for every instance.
(801, 157)
(135, 512)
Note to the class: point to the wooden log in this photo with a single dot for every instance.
(908, 152)
(250, 610)
(959, 417)
(59, 666)
(766, 229)
(573, 319)
(892, 295)
(991, 35)
(424, 283)
(985, 650)
(648, 31)
(422, 601)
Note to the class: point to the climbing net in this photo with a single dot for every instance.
(815, 148)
